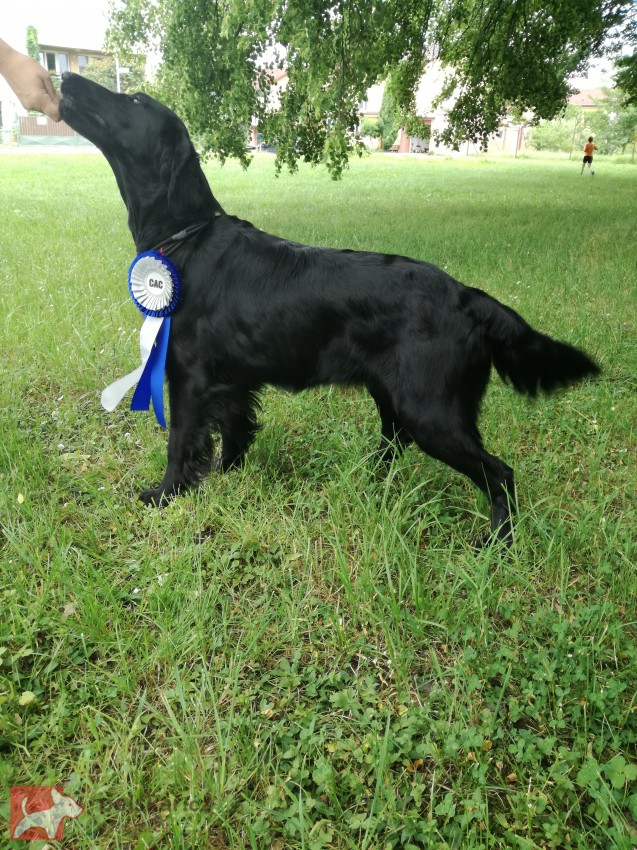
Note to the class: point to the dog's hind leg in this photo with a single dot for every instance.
(238, 426)
(394, 438)
(444, 435)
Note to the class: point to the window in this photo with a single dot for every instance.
(82, 61)
(62, 60)
(56, 63)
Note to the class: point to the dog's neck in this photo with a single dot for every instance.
(165, 230)
(156, 211)
(171, 234)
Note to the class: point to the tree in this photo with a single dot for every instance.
(389, 121)
(33, 43)
(499, 55)
(103, 71)
(614, 123)
(626, 77)
(562, 133)
(33, 50)
(370, 128)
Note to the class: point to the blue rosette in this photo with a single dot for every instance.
(155, 287)
(154, 284)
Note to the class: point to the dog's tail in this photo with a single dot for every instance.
(526, 358)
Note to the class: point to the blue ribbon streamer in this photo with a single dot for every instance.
(149, 293)
(151, 384)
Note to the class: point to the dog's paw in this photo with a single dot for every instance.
(224, 464)
(384, 456)
(482, 542)
(157, 498)
(501, 539)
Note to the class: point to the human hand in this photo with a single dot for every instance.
(31, 83)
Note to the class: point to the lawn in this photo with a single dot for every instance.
(308, 653)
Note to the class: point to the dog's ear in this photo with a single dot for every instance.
(55, 796)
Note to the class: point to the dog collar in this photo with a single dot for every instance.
(167, 246)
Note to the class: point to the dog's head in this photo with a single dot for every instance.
(65, 807)
(149, 150)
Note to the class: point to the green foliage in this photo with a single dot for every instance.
(392, 117)
(33, 44)
(389, 116)
(626, 78)
(520, 55)
(556, 135)
(499, 56)
(626, 65)
(613, 124)
(103, 71)
(370, 128)
(564, 133)
(415, 127)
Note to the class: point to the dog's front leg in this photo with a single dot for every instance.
(189, 443)
(196, 409)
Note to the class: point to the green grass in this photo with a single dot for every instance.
(307, 653)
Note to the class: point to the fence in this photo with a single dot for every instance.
(38, 130)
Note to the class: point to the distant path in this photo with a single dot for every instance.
(48, 149)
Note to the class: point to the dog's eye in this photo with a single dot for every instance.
(136, 99)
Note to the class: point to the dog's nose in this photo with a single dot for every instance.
(66, 75)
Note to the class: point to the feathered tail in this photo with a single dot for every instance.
(526, 358)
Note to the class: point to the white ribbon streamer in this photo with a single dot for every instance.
(116, 391)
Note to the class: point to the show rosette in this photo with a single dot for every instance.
(155, 287)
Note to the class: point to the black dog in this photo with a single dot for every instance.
(259, 310)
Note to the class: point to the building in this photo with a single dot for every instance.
(587, 99)
(509, 140)
(57, 59)
(16, 125)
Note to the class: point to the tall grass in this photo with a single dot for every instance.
(308, 653)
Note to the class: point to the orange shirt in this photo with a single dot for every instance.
(589, 147)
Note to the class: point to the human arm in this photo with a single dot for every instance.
(30, 81)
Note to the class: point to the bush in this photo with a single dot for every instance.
(561, 134)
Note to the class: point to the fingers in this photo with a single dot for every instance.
(32, 84)
(50, 100)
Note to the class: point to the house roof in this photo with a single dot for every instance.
(66, 48)
(587, 98)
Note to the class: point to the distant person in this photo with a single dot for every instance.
(30, 81)
(589, 147)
